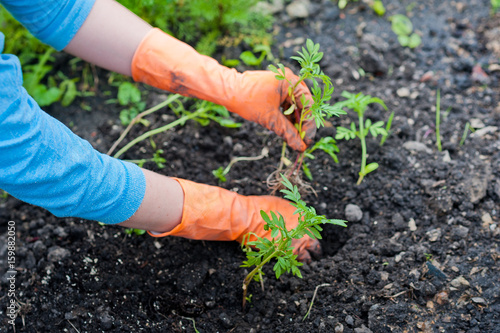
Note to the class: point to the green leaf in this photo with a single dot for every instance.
(219, 174)
(414, 41)
(370, 167)
(128, 93)
(401, 25)
(250, 59)
(307, 171)
(378, 7)
(403, 40)
(290, 110)
(70, 92)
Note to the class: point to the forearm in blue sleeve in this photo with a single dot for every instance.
(54, 22)
(43, 163)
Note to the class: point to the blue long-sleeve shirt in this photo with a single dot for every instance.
(41, 161)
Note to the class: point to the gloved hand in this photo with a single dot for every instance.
(214, 213)
(167, 63)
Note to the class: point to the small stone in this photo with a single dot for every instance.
(441, 297)
(460, 232)
(479, 300)
(460, 282)
(483, 131)
(349, 320)
(57, 253)
(298, 9)
(224, 318)
(363, 329)
(487, 220)
(476, 123)
(412, 225)
(353, 213)
(433, 234)
(60, 232)
(39, 248)
(339, 328)
(416, 146)
(403, 92)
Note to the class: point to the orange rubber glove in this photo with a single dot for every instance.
(169, 64)
(214, 213)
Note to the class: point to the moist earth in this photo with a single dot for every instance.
(420, 253)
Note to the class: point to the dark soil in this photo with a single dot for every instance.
(422, 258)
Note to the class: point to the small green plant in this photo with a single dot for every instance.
(131, 97)
(359, 103)
(495, 5)
(320, 109)
(137, 232)
(279, 247)
(376, 5)
(250, 59)
(403, 28)
(387, 129)
(438, 120)
(467, 128)
(48, 93)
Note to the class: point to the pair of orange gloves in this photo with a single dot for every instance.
(209, 212)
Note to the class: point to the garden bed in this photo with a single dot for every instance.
(420, 253)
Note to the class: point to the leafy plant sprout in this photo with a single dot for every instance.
(308, 59)
(359, 103)
(279, 247)
(438, 120)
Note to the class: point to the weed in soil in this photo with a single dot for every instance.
(320, 109)
(280, 246)
(359, 103)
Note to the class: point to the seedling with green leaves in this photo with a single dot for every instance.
(359, 103)
(402, 26)
(318, 111)
(279, 247)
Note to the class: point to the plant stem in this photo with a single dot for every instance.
(159, 130)
(136, 119)
(264, 153)
(314, 296)
(438, 120)
(257, 269)
(363, 148)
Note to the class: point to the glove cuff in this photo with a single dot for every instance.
(165, 62)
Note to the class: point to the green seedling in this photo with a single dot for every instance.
(137, 232)
(326, 144)
(250, 59)
(47, 94)
(320, 109)
(156, 159)
(376, 5)
(359, 103)
(221, 172)
(403, 28)
(279, 247)
(495, 5)
(465, 133)
(387, 129)
(129, 95)
(438, 120)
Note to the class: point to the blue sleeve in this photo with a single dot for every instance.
(43, 163)
(54, 22)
